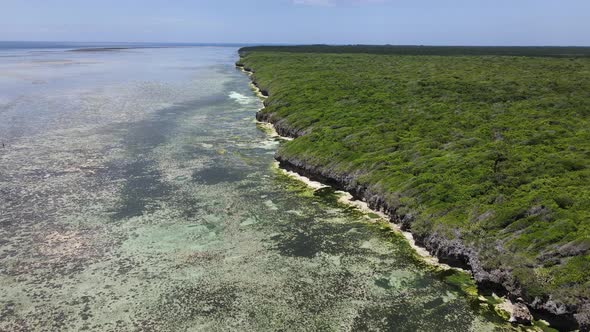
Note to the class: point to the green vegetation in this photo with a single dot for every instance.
(491, 150)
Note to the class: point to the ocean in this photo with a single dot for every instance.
(137, 192)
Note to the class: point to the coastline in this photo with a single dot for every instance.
(453, 254)
(346, 197)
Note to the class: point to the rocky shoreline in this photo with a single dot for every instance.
(452, 252)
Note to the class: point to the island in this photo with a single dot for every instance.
(482, 153)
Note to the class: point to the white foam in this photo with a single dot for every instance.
(241, 99)
(347, 198)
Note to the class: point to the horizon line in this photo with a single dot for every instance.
(273, 44)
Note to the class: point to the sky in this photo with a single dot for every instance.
(405, 22)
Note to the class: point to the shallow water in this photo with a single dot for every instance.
(137, 193)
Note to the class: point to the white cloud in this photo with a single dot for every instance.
(314, 2)
(330, 3)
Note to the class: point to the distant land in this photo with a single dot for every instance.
(533, 51)
(80, 45)
(559, 51)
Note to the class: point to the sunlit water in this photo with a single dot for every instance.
(138, 193)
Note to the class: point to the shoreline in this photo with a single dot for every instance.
(346, 197)
(453, 254)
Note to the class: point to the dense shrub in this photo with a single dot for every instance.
(492, 149)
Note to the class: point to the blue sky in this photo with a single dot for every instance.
(427, 22)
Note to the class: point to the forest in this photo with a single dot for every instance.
(484, 148)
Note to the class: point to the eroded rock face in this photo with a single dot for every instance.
(583, 318)
(541, 211)
(521, 314)
(280, 126)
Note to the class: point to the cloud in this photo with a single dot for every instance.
(332, 3)
(314, 2)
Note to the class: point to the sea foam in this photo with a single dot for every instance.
(241, 99)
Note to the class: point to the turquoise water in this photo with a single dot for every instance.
(138, 194)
